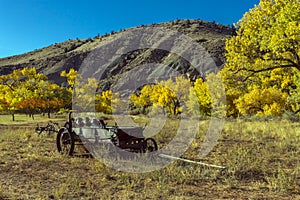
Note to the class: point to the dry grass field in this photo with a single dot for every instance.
(261, 160)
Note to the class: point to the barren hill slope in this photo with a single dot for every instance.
(53, 59)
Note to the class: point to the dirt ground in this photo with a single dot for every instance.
(31, 168)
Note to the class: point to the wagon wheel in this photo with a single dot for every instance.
(66, 125)
(150, 145)
(65, 142)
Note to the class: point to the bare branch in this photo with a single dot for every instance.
(270, 68)
(295, 54)
(10, 87)
(285, 59)
(264, 70)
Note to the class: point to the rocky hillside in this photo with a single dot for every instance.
(53, 59)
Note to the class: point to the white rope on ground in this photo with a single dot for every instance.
(191, 161)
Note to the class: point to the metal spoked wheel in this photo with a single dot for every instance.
(150, 145)
(65, 142)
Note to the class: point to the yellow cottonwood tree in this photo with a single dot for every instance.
(107, 102)
(166, 97)
(71, 76)
(267, 101)
(40, 94)
(199, 102)
(265, 49)
(84, 94)
(142, 100)
(28, 91)
(294, 97)
(13, 88)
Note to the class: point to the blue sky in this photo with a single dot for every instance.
(32, 24)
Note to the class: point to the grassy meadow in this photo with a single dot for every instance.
(261, 159)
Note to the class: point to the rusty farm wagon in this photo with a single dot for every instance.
(86, 131)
